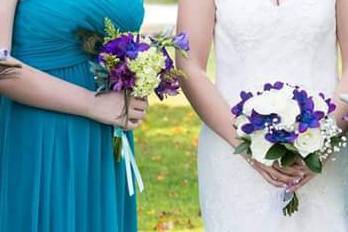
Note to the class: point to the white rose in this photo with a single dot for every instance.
(252, 103)
(279, 102)
(309, 142)
(259, 147)
(240, 121)
(266, 103)
(289, 113)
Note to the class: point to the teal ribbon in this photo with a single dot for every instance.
(130, 162)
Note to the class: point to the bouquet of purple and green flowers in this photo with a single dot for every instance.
(137, 65)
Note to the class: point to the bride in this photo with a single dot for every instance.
(259, 41)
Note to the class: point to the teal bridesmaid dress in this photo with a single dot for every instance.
(57, 171)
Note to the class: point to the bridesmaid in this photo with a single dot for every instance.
(57, 170)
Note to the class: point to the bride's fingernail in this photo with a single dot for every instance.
(297, 180)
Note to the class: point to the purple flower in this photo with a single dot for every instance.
(258, 121)
(237, 110)
(181, 41)
(121, 78)
(281, 136)
(125, 46)
(169, 86)
(308, 117)
(168, 61)
(277, 86)
(331, 106)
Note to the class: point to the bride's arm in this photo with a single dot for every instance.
(342, 32)
(197, 18)
(35, 88)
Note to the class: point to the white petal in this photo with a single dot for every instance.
(259, 147)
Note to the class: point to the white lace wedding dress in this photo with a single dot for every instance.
(258, 42)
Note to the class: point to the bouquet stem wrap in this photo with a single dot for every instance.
(130, 162)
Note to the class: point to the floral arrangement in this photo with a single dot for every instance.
(137, 65)
(285, 123)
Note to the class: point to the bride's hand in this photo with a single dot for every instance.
(108, 108)
(300, 167)
(276, 177)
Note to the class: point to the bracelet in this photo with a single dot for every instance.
(3, 54)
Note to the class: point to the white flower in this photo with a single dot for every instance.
(259, 148)
(240, 121)
(278, 102)
(289, 113)
(310, 141)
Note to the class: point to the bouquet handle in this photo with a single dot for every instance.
(130, 162)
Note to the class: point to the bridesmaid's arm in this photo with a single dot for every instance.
(197, 18)
(342, 32)
(35, 88)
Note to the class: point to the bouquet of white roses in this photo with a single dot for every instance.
(285, 123)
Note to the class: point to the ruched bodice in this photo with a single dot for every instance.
(45, 31)
(57, 171)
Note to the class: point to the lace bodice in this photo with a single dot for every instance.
(257, 41)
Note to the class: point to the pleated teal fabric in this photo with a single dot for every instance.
(57, 171)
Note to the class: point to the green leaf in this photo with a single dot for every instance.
(335, 141)
(290, 147)
(241, 148)
(313, 163)
(288, 159)
(291, 207)
(277, 151)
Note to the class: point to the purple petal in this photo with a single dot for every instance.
(267, 87)
(248, 128)
(278, 85)
(303, 127)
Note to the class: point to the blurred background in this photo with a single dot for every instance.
(166, 149)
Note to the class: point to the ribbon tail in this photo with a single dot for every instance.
(137, 173)
(127, 156)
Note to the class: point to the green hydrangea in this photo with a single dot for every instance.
(147, 67)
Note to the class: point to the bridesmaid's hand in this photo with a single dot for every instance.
(109, 109)
(276, 177)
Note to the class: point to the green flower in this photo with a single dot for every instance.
(147, 67)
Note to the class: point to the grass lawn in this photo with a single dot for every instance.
(166, 145)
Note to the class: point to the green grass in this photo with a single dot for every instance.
(166, 145)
